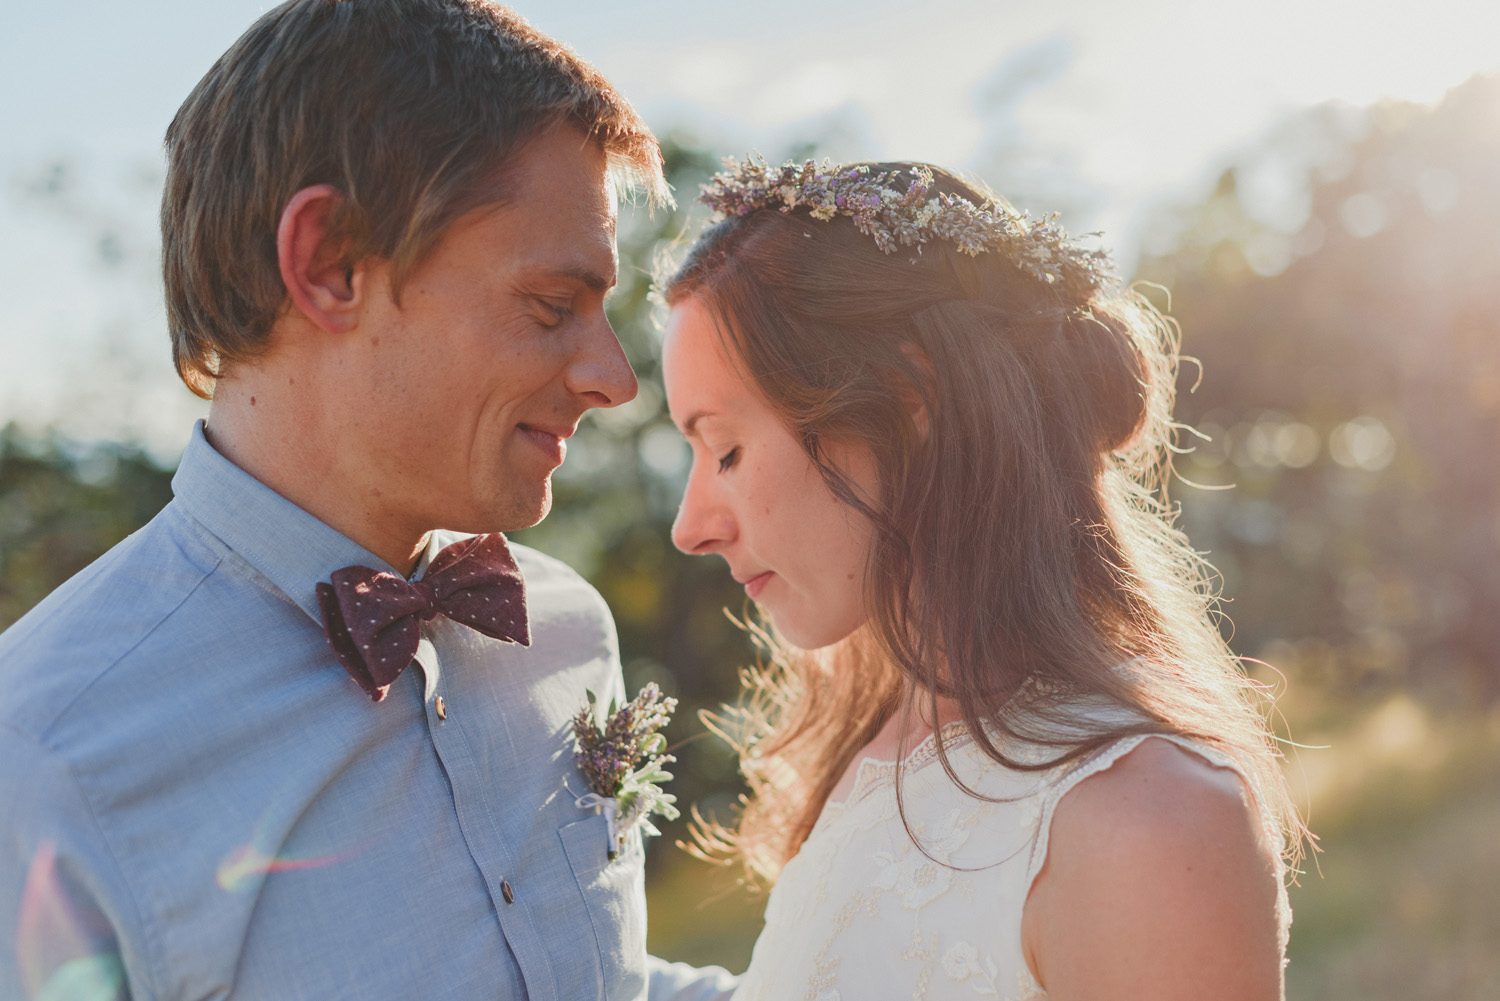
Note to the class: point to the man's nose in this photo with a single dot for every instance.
(601, 373)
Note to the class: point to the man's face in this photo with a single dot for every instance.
(499, 345)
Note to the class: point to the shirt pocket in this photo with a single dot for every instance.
(614, 892)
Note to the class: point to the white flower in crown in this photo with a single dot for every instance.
(621, 754)
(892, 208)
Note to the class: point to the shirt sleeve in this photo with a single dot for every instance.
(57, 937)
(681, 982)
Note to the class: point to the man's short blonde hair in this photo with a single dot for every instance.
(411, 108)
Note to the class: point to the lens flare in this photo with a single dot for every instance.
(92, 978)
(245, 864)
(58, 946)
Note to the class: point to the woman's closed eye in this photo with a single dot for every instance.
(729, 458)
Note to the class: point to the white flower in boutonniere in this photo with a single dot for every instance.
(621, 754)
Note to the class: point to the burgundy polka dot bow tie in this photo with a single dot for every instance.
(372, 617)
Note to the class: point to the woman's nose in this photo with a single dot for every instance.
(702, 525)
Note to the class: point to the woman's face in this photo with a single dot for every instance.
(756, 499)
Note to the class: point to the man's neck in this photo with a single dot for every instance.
(286, 440)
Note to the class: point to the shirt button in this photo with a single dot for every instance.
(507, 892)
(441, 707)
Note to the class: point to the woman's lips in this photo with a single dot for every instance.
(551, 444)
(757, 584)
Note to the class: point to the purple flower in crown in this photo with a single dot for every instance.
(621, 754)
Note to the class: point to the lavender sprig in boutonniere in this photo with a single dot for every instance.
(621, 754)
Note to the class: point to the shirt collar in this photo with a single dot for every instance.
(294, 550)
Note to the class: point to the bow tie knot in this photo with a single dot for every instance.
(429, 609)
(373, 617)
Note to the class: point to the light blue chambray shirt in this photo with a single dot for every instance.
(197, 801)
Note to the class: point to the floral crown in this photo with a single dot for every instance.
(898, 215)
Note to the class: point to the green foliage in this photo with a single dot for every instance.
(61, 506)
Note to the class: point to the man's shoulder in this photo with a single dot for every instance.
(97, 617)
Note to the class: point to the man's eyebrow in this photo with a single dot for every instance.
(595, 281)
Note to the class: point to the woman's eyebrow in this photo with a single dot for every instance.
(689, 426)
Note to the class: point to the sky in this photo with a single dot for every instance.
(1105, 109)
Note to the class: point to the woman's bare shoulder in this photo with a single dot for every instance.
(1158, 883)
(1159, 793)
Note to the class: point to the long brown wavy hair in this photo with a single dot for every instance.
(1024, 562)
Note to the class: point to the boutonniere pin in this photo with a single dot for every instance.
(621, 754)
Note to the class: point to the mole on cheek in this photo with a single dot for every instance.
(252, 401)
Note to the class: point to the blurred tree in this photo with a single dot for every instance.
(1348, 325)
(62, 506)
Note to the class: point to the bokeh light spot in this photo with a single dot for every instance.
(1438, 189)
(1296, 445)
(1363, 443)
(1363, 214)
(663, 449)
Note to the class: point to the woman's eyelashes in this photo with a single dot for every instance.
(729, 458)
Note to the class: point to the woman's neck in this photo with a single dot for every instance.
(912, 722)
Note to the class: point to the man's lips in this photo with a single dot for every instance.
(549, 440)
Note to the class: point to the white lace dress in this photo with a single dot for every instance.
(860, 914)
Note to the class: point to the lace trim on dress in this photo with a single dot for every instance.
(876, 772)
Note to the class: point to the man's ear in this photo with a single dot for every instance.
(913, 395)
(320, 281)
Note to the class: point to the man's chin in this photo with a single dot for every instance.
(542, 510)
(525, 512)
(509, 513)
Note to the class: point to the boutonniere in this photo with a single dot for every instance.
(621, 754)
